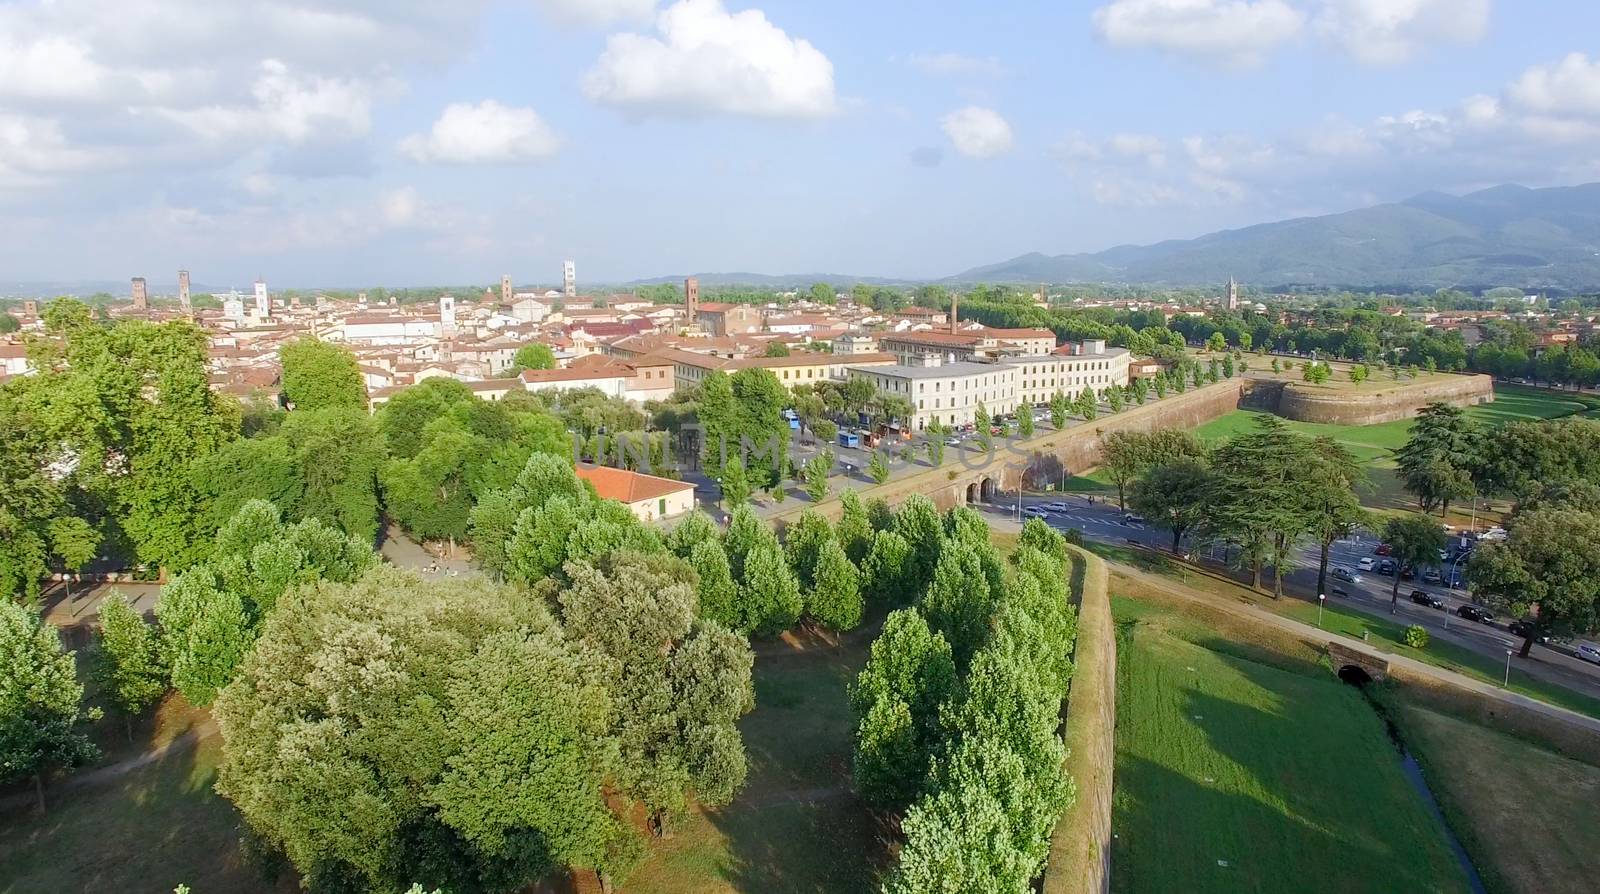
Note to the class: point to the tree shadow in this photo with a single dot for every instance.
(1312, 781)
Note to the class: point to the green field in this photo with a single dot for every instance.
(795, 826)
(1525, 814)
(1235, 775)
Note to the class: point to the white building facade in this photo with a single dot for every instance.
(948, 393)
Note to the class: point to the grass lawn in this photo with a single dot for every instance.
(1526, 815)
(795, 826)
(147, 831)
(1239, 776)
(1380, 633)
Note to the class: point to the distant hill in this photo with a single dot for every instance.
(772, 281)
(1505, 236)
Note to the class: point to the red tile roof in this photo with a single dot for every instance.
(629, 487)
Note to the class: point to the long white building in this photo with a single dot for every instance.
(1072, 369)
(947, 393)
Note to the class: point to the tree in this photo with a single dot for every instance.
(1060, 408)
(639, 612)
(854, 530)
(74, 542)
(40, 699)
(1161, 386)
(935, 434)
(1113, 398)
(776, 349)
(1436, 462)
(1173, 496)
(1024, 422)
(1548, 569)
(803, 543)
(1227, 367)
(1329, 481)
(318, 375)
(822, 293)
(918, 522)
(735, 486)
(835, 600)
(1253, 498)
(885, 575)
(534, 356)
(961, 596)
(1414, 540)
(718, 592)
(1126, 455)
(1088, 406)
(878, 467)
(1216, 344)
(129, 669)
(896, 700)
(520, 726)
(817, 469)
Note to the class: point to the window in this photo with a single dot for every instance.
(661, 508)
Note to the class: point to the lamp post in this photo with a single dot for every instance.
(1322, 598)
(1507, 683)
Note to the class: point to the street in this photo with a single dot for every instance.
(1103, 521)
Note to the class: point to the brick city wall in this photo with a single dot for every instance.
(1303, 403)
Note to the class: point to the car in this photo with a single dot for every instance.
(1382, 550)
(1386, 567)
(1431, 576)
(1054, 507)
(1132, 519)
(1035, 512)
(1428, 599)
(1338, 590)
(1346, 574)
(1474, 613)
(1525, 628)
(1366, 563)
(1587, 652)
(952, 442)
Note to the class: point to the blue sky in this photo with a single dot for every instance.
(409, 142)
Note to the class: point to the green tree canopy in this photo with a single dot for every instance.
(534, 356)
(40, 699)
(318, 375)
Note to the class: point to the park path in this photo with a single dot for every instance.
(1409, 665)
(112, 772)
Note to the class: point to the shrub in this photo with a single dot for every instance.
(1416, 636)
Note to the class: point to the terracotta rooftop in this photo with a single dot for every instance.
(628, 487)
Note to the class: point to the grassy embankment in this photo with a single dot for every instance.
(1380, 633)
(1245, 767)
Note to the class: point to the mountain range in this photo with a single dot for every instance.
(1504, 236)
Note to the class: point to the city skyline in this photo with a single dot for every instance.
(378, 145)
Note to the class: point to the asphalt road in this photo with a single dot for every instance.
(1104, 522)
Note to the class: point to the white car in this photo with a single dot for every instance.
(1366, 563)
(1588, 652)
(1035, 512)
(1056, 507)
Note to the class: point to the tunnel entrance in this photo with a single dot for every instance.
(1355, 676)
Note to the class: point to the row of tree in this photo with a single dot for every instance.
(959, 703)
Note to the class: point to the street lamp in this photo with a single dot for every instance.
(1507, 683)
(1321, 599)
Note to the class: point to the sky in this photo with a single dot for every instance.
(409, 142)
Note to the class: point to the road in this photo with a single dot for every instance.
(1104, 522)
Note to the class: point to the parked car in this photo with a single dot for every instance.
(1525, 628)
(1382, 550)
(1407, 571)
(952, 442)
(1588, 652)
(1428, 599)
(1346, 574)
(1386, 567)
(1366, 563)
(1474, 613)
(1432, 576)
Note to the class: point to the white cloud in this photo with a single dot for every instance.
(978, 132)
(1386, 32)
(1568, 87)
(287, 106)
(597, 13)
(1230, 33)
(484, 133)
(400, 207)
(956, 64)
(707, 60)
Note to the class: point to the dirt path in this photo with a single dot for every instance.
(111, 772)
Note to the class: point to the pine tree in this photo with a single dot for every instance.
(878, 467)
